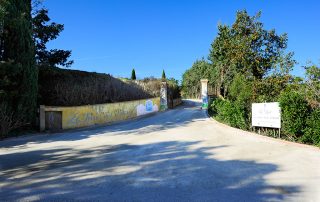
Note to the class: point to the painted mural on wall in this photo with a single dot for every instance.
(81, 116)
(163, 97)
(149, 107)
(204, 97)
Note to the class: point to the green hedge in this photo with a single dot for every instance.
(300, 122)
(294, 110)
(230, 113)
(312, 130)
(62, 87)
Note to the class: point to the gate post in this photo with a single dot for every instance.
(42, 118)
(163, 96)
(204, 93)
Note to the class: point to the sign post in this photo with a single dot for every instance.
(266, 115)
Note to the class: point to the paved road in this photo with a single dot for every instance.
(178, 155)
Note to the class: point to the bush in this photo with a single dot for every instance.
(241, 90)
(312, 130)
(173, 89)
(294, 109)
(230, 113)
(8, 121)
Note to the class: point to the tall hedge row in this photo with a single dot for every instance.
(63, 87)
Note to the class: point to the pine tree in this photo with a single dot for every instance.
(18, 56)
(164, 78)
(133, 75)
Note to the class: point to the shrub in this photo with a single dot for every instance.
(294, 109)
(241, 90)
(8, 121)
(312, 130)
(230, 113)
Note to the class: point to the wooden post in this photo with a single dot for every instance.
(42, 118)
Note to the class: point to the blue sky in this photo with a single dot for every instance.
(114, 36)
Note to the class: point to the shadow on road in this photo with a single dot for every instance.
(185, 114)
(172, 170)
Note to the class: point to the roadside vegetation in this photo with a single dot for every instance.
(250, 64)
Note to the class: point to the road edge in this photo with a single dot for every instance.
(249, 133)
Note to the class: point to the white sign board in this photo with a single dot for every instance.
(266, 115)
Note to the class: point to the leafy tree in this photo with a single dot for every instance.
(43, 32)
(313, 85)
(18, 73)
(246, 48)
(163, 76)
(191, 85)
(133, 74)
(222, 71)
(174, 90)
(241, 90)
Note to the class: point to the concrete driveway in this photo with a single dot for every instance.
(178, 155)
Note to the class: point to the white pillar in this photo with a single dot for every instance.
(163, 96)
(204, 93)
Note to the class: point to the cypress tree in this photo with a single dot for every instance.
(164, 78)
(20, 92)
(133, 75)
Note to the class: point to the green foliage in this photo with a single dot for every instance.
(43, 32)
(246, 48)
(9, 121)
(133, 74)
(173, 89)
(241, 90)
(294, 111)
(312, 86)
(63, 87)
(249, 64)
(230, 113)
(191, 78)
(18, 73)
(312, 130)
(163, 77)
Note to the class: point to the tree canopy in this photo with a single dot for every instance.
(246, 47)
(191, 78)
(43, 32)
(18, 73)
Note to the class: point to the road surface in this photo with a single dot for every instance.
(178, 155)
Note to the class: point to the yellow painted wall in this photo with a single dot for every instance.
(81, 116)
